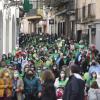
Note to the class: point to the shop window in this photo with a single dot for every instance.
(39, 30)
(64, 31)
(93, 34)
(59, 29)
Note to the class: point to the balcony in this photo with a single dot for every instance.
(32, 12)
(71, 5)
(33, 15)
(12, 2)
(37, 8)
(62, 1)
(49, 3)
(55, 3)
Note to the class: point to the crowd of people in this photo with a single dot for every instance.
(46, 67)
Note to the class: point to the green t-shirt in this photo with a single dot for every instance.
(8, 61)
(1, 69)
(60, 83)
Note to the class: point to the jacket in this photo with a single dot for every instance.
(32, 86)
(1, 87)
(60, 83)
(20, 87)
(49, 91)
(8, 90)
(74, 89)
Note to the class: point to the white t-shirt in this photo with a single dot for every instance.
(94, 94)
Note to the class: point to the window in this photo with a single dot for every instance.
(83, 12)
(91, 10)
(72, 4)
(78, 14)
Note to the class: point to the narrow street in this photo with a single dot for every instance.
(49, 50)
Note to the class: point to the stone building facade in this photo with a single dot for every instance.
(9, 15)
(88, 21)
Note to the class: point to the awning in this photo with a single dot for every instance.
(33, 17)
(65, 11)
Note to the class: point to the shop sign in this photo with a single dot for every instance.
(93, 31)
(51, 21)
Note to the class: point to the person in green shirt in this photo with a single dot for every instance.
(61, 81)
(91, 79)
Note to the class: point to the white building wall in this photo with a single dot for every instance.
(98, 36)
(48, 27)
(10, 35)
(24, 26)
(8, 28)
(1, 28)
(4, 31)
(13, 28)
(7, 35)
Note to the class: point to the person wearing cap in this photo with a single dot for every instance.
(32, 86)
(74, 89)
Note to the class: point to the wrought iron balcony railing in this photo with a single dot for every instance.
(32, 12)
(12, 2)
(55, 3)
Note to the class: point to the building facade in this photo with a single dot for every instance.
(60, 12)
(9, 15)
(30, 21)
(88, 21)
(63, 14)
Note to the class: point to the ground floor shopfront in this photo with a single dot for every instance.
(62, 25)
(90, 33)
